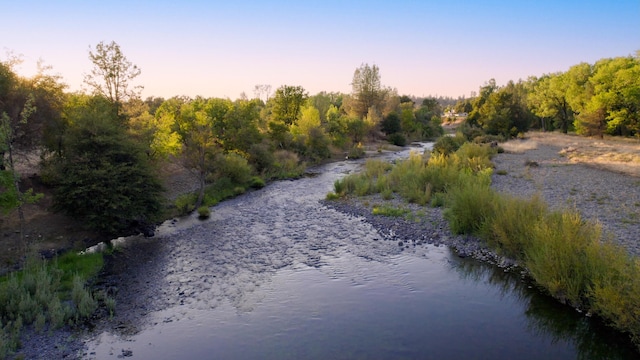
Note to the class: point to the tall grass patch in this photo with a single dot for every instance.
(511, 230)
(615, 289)
(557, 257)
(45, 293)
(470, 204)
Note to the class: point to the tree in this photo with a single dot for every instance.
(194, 123)
(17, 106)
(112, 74)
(616, 92)
(285, 109)
(548, 99)
(238, 129)
(367, 91)
(102, 175)
(391, 124)
(501, 111)
(262, 90)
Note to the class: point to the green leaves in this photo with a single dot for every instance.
(102, 176)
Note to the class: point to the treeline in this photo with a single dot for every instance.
(100, 151)
(591, 100)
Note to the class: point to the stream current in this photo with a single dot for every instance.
(274, 274)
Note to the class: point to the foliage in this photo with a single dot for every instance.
(102, 176)
(194, 124)
(261, 157)
(356, 151)
(367, 91)
(112, 73)
(37, 295)
(448, 144)
(387, 210)
(391, 124)
(185, 203)
(501, 110)
(204, 212)
(286, 165)
(397, 139)
(234, 167)
(511, 232)
(548, 99)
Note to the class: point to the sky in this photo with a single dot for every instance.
(224, 48)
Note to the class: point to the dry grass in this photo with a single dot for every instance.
(614, 154)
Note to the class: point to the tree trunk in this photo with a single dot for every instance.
(201, 179)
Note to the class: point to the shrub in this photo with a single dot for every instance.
(317, 145)
(185, 203)
(390, 124)
(470, 207)
(204, 212)
(261, 157)
(397, 139)
(84, 302)
(356, 151)
(257, 182)
(286, 165)
(332, 196)
(234, 167)
(557, 257)
(511, 232)
(448, 144)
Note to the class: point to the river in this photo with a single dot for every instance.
(274, 274)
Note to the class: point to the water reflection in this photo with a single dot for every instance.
(547, 317)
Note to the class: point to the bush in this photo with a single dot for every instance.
(185, 203)
(261, 157)
(234, 167)
(557, 257)
(204, 212)
(286, 165)
(257, 182)
(448, 144)
(511, 232)
(470, 207)
(356, 151)
(397, 139)
(32, 295)
(317, 145)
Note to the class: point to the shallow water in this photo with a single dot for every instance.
(275, 275)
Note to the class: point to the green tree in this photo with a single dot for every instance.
(548, 99)
(367, 91)
(112, 74)
(17, 106)
(391, 124)
(616, 92)
(195, 125)
(239, 130)
(102, 175)
(285, 110)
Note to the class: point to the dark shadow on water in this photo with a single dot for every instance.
(547, 317)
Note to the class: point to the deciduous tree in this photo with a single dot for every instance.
(112, 74)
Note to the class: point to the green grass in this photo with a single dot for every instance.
(45, 293)
(388, 210)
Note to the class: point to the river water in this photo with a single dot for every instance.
(274, 274)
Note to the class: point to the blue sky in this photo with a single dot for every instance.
(222, 48)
